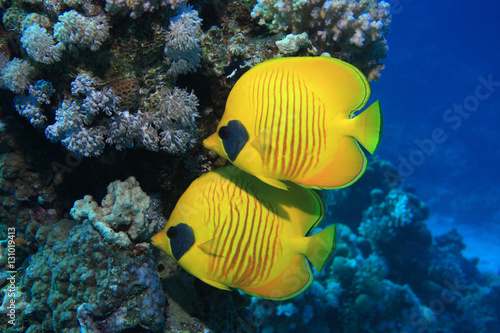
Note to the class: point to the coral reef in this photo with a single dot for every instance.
(182, 49)
(94, 115)
(30, 106)
(122, 217)
(40, 45)
(101, 78)
(137, 8)
(389, 275)
(170, 127)
(81, 30)
(95, 288)
(356, 29)
(16, 75)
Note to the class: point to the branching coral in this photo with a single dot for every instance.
(136, 8)
(357, 28)
(74, 118)
(169, 126)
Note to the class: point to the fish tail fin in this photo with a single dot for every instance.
(321, 247)
(368, 127)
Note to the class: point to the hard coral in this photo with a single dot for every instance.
(127, 90)
(121, 219)
(357, 28)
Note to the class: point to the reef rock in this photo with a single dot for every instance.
(77, 282)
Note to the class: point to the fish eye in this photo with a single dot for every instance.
(224, 132)
(172, 232)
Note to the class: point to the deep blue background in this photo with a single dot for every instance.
(438, 51)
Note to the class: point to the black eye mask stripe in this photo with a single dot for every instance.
(181, 239)
(234, 137)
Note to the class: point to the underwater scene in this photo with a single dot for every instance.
(268, 166)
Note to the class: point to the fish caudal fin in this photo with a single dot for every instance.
(368, 127)
(321, 246)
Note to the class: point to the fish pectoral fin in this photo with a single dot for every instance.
(215, 284)
(262, 141)
(210, 246)
(274, 182)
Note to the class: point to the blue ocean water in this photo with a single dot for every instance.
(441, 98)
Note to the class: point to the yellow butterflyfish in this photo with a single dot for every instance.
(294, 119)
(233, 231)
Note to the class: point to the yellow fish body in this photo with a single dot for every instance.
(293, 119)
(233, 231)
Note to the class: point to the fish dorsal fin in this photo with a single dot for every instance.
(210, 246)
(262, 141)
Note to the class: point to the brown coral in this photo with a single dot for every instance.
(128, 91)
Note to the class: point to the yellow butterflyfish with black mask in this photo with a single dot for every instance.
(295, 119)
(233, 231)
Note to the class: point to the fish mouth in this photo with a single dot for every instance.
(155, 240)
(211, 142)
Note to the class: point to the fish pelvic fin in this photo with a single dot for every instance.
(321, 247)
(215, 284)
(274, 182)
(368, 127)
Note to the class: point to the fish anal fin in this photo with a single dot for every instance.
(295, 279)
(210, 246)
(215, 284)
(346, 166)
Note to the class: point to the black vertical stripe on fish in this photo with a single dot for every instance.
(181, 240)
(235, 138)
